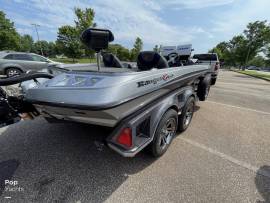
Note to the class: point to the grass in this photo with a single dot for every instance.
(256, 74)
(69, 60)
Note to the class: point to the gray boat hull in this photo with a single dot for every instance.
(113, 97)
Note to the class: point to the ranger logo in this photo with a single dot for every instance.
(154, 81)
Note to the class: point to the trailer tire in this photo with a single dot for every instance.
(186, 114)
(213, 81)
(203, 88)
(164, 134)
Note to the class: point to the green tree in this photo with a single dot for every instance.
(258, 36)
(42, 44)
(58, 48)
(138, 46)
(258, 61)
(267, 54)
(52, 51)
(121, 52)
(224, 53)
(245, 47)
(26, 43)
(238, 46)
(48, 48)
(84, 19)
(69, 42)
(9, 38)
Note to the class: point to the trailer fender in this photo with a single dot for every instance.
(175, 102)
(204, 87)
(144, 125)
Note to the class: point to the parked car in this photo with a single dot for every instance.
(212, 59)
(252, 68)
(15, 63)
(265, 69)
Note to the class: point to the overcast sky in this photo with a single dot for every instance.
(203, 23)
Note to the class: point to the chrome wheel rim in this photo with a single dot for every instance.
(167, 133)
(188, 115)
(207, 91)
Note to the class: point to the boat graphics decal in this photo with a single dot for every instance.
(154, 81)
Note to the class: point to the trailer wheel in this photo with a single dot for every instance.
(186, 114)
(213, 81)
(203, 88)
(164, 134)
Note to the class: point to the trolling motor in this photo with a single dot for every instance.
(13, 108)
(24, 77)
(97, 39)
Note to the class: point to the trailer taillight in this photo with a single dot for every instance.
(125, 137)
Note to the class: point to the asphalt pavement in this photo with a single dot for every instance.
(222, 157)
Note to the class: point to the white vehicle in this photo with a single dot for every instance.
(183, 50)
(209, 59)
(180, 55)
(177, 55)
(15, 63)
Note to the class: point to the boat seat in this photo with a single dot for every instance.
(111, 60)
(151, 59)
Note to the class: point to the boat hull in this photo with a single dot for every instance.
(110, 114)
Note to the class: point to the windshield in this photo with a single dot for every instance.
(40, 58)
(205, 57)
(2, 54)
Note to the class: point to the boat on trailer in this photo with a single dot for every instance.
(131, 100)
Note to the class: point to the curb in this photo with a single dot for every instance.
(265, 79)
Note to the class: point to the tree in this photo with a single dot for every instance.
(68, 41)
(238, 46)
(245, 47)
(267, 54)
(9, 38)
(121, 52)
(38, 45)
(84, 19)
(138, 45)
(48, 48)
(258, 61)
(26, 43)
(222, 50)
(258, 35)
(58, 48)
(52, 51)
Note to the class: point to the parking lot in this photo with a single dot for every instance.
(222, 157)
